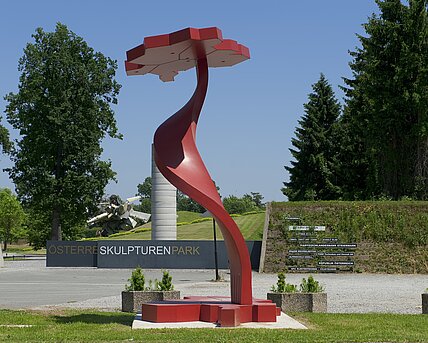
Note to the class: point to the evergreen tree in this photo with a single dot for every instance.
(62, 111)
(387, 100)
(313, 174)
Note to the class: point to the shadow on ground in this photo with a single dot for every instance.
(97, 318)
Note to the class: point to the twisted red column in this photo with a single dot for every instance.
(179, 161)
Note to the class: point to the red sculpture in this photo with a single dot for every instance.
(175, 149)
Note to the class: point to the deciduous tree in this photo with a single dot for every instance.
(12, 217)
(5, 144)
(63, 111)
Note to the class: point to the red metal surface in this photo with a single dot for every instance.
(210, 309)
(171, 313)
(175, 150)
(167, 55)
(179, 161)
(229, 316)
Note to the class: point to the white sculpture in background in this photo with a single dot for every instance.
(117, 216)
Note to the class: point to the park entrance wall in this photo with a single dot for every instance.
(146, 254)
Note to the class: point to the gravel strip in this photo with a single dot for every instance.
(347, 293)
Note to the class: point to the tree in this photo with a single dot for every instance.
(62, 110)
(235, 205)
(256, 198)
(314, 173)
(145, 191)
(387, 99)
(184, 203)
(5, 143)
(12, 217)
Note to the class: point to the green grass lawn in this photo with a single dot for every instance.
(93, 326)
(251, 226)
(24, 249)
(187, 216)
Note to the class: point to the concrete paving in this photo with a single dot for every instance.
(282, 322)
(29, 284)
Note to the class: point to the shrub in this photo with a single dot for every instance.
(310, 286)
(282, 286)
(142, 229)
(136, 281)
(200, 220)
(166, 283)
(253, 212)
(236, 205)
(183, 223)
(91, 232)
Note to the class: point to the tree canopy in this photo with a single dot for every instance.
(236, 205)
(5, 144)
(145, 191)
(313, 174)
(378, 148)
(387, 100)
(62, 110)
(12, 217)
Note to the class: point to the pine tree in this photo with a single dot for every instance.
(387, 100)
(313, 174)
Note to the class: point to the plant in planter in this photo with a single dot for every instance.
(425, 302)
(136, 293)
(166, 283)
(309, 298)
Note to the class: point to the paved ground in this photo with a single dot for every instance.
(29, 284)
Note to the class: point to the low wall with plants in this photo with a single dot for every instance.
(391, 237)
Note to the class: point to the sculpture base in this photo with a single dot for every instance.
(211, 309)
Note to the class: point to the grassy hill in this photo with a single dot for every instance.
(251, 226)
(392, 236)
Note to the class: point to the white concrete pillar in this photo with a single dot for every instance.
(164, 206)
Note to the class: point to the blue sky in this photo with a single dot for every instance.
(251, 109)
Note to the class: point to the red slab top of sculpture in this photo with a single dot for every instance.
(167, 55)
(175, 150)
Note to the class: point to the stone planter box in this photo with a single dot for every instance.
(425, 303)
(300, 302)
(132, 300)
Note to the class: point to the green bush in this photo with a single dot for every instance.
(91, 232)
(282, 286)
(183, 223)
(142, 229)
(311, 286)
(200, 220)
(136, 281)
(253, 212)
(166, 283)
(233, 204)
